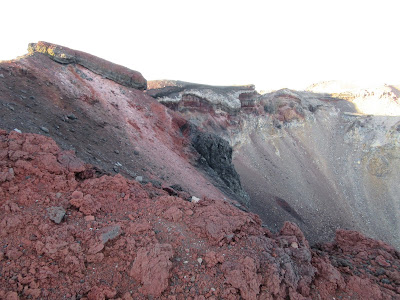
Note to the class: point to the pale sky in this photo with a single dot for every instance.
(272, 44)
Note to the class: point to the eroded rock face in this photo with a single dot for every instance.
(64, 55)
(170, 247)
(313, 158)
(183, 96)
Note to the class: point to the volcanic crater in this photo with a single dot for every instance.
(115, 187)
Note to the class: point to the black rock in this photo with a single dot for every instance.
(216, 154)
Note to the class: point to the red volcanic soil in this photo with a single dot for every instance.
(118, 129)
(66, 233)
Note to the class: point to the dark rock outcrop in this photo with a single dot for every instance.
(216, 156)
(109, 70)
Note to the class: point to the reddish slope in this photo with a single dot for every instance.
(117, 128)
(122, 240)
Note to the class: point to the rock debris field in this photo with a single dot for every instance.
(66, 233)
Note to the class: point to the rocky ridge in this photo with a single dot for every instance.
(64, 55)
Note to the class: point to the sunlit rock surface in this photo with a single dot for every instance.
(315, 159)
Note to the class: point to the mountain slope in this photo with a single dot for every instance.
(116, 127)
(74, 224)
(311, 158)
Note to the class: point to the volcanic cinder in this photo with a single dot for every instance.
(112, 191)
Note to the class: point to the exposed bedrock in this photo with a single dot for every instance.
(216, 159)
(183, 96)
(312, 159)
(109, 70)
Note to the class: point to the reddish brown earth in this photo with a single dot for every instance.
(119, 239)
(74, 225)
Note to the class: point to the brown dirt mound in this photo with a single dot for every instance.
(66, 233)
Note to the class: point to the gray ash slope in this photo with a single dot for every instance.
(312, 158)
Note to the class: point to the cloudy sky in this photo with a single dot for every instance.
(272, 44)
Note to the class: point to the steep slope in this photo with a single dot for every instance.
(311, 158)
(97, 109)
(66, 233)
(333, 168)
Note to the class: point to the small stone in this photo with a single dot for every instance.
(58, 195)
(17, 130)
(44, 129)
(382, 261)
(95, 258)
(294, 245)
(56, 213)
(89, 218)
(139, 178)
(96, 248)
(127, 296)
(194, 199)
(77, 195)
(12, 296)
(116, 151)
(136, 152)
(110, 233)
(200, 260)
(1, 76)
(230, 237)
(72, 117)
